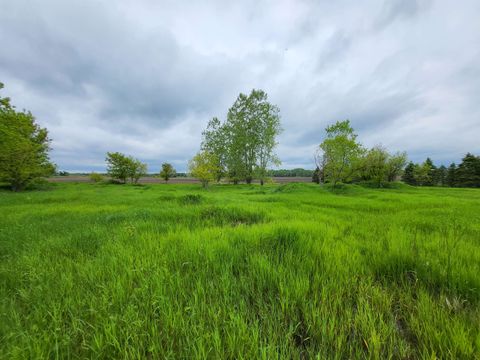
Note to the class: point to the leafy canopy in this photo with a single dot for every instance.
(244, 144)
(204, 166)
(121, 167)
(24, 147)
(167, 171)
(340, 152)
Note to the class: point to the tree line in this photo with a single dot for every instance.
(341, 158)
(297, 172)
(239, 149)
(466, 174)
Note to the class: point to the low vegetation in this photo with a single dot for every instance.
(292, 271)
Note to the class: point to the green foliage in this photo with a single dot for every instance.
(167, 171)
(96, 177)
(408, 176)
(468, 172)
(204, 166)
(297, 172)
(121, 167)
(244, 144)
(451, 178)
(245, 273)
(24, 147)
(341, 152)
(378, 167)
(135, 169)
(395, 165)
(440, 176)
(423, 173)
(215, 142)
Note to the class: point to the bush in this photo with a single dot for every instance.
(95, 177)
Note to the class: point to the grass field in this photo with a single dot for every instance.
(281, 272)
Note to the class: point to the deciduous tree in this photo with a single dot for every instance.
(167, 171)
(204, 166)
(122, 167)
(24, 147)
(340, 151)
(244, 144)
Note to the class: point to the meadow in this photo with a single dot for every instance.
(292, 271)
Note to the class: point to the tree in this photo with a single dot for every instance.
(96, 177)
(373, 166)
(215, 142)
(429, 169)
(395, 165)
(451, 178)
(122, 167)
(422, 174)
(249, 137)
(440, 176)
(117, 166)
(468, 172)
(316, 176)
(204, 166)
(135, 169)
(340, 152)
(408, 176)
(24, 147)
(167, 171)
(377, 165)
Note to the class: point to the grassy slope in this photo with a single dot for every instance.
(239, 272)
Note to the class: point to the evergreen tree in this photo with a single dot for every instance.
(428, 172)
(440, 176)
(468, 172)
(409, 174)
(451, 177)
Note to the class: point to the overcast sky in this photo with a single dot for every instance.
(143, 77)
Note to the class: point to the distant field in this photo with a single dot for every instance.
(277, 272)
(176, 180)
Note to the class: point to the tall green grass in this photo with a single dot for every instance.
(239, 272)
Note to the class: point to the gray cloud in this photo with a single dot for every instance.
(401, 9)
(144, 77)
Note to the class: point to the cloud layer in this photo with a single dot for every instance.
(144, 77)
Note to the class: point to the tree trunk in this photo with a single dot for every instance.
(248, 180)
(261, 182)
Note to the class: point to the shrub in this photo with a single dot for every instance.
(95, 177)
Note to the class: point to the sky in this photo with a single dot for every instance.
(144, 77)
